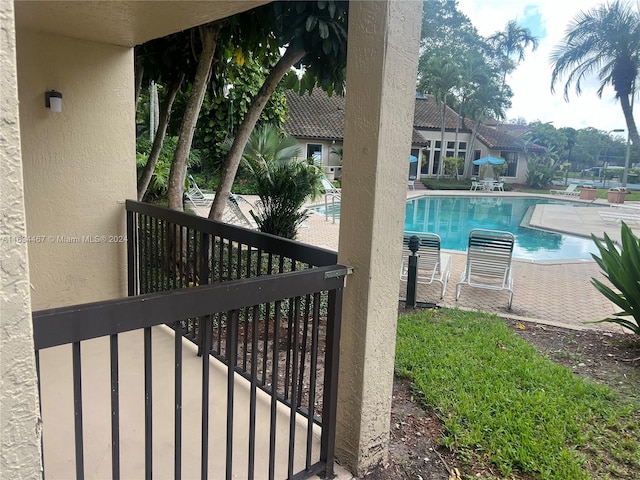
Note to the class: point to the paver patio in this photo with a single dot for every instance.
(550, 292)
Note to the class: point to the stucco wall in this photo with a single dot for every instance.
(381, 72)
(79, 166)
(19, 412)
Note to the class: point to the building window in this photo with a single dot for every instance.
(315, 151)
(512, 163)
(426, 156)
(462, 153)
(436, 158)
(413, 167)
(475, 170)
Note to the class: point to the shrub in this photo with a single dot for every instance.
(622, 269)
(282, 182)
(540, 175)
(160, 179)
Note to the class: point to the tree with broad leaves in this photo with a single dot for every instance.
(208, 37)
(315, 35)
(167, 60)
(605, 42)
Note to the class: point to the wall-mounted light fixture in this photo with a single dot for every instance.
(53, 100)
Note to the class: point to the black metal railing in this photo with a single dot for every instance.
(169, 249)
(290, 302)
(175, 250)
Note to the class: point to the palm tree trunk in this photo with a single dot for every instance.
(209, 35)
(163, 123)
(631, 123)
(470, 152)
(442, 147)
(139, 75)
(230, 167)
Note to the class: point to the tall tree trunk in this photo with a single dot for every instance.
(209, 36)
(139, 74)
(163, 122)
(230, 167)
(470, 152)
(442, 145)
(631, 123)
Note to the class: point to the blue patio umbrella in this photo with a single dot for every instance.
(489, 160)
(413, 159)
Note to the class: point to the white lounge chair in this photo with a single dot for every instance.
(232, 214)
(488, 261)
(411, 182)
(329, 188)
(570, 191)
(195, 195)
(476, 185)
(616, 216)
(433, 265)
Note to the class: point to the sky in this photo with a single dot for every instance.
(531, 82)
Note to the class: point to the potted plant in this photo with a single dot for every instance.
(588, 192)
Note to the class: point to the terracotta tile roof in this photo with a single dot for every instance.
(428, 113)
(315, 116)
(418, 139)
(498, 139)
(322, 117)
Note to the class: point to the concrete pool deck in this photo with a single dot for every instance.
(552, 292)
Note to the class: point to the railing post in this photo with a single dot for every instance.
(203, 279)
(330, 395)
(132, 254)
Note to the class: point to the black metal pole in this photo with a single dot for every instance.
(412, 273)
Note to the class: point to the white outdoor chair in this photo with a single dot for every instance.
(616, 216)
(570, 191)
(476, 185)
(195, 195)
(433, 265)
(489, 261)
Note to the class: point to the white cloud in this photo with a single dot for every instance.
(531, 82)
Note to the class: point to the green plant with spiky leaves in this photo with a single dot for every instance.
(622, 269)
(283, 181)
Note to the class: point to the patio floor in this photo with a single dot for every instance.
(58, 425)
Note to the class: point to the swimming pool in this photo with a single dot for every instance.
(452, 217)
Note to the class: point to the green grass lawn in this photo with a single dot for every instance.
(503, 403)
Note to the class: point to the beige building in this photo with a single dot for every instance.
(317, 121)
(65, 176)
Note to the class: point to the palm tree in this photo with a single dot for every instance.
(441, 77)
(511, 46)
(283, 182)
(603, 41)
(488, 100)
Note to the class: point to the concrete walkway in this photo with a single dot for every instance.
(550, 292)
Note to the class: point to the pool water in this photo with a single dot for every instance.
(452, 217)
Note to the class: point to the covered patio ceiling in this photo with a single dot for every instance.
(125, 23)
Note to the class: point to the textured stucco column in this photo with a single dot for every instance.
(19, 413)
(381, 77)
